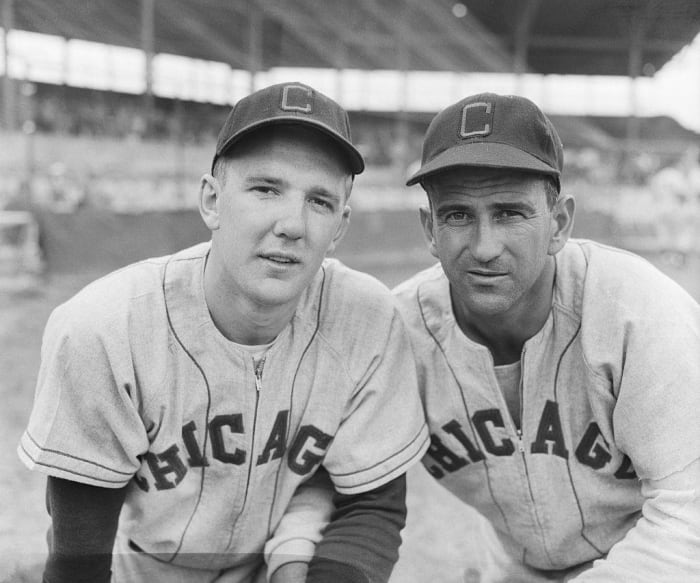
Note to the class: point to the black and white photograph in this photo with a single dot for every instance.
(323, 291)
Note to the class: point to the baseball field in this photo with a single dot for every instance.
(442, 539)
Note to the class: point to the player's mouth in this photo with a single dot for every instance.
(485, 275)
(485, 272)
(281, 258)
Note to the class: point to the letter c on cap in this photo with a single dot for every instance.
(474, 124)
(296, 98)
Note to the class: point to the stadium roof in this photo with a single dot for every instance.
(542, 36)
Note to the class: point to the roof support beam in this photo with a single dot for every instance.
(634, 69)
(411, 38)
(598, 44)
(302, 30)
(471, 36)
(148, 8)
(333, 22)
(9, 101)
(522, 33)
(187, 20)
(255, 32)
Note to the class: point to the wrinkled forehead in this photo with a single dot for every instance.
(471, 185)
(479, 177)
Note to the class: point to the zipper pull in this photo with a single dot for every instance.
(521, 447)
(258, 373)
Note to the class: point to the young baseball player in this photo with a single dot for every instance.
(560, 378)
(189, 408)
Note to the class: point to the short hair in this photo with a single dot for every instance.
(219, 169)
(551, 190)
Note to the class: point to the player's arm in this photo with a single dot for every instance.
(650, 352)
(361, 542)
(664, 545)
(84, 523)
(367, 462)
(290, 549)
(353, 538)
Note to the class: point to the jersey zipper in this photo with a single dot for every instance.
(521, 447)
(257, 373)
(521, 391)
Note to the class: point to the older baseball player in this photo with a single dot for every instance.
(185, 403)
(560, 377)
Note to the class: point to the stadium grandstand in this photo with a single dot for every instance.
(94, 161)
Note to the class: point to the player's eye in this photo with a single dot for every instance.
(322, 203)
(264, 189)
(456, 218)
(507, 214)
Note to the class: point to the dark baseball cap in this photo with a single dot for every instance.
(289, 103)
(491, 131)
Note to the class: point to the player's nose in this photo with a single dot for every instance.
(485, 243)
(291, 217)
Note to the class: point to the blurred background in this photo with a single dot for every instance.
(109, 113)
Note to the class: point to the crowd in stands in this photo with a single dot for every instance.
(86, 112)
(636, 189)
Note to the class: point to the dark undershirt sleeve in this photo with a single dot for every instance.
(361, 542)
(84, 522)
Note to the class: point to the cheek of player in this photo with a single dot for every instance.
(280, 210)
(493, 237)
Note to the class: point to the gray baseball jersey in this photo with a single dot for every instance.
(610, 394)
(137, 386)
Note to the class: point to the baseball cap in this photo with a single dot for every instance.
(493, 131)
(289, 103)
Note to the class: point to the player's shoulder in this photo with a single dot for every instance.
(348, 304)
(114, 291)
(599, 273)
(606, 257)
(624, 270)
(408, 290)
(345, 286)
(133, 293)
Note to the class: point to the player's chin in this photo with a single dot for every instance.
(486, 301)
(275, 292)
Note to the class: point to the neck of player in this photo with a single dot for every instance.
(505, 334)
(239, 319)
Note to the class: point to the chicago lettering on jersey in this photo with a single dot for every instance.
(592, 450)
(169, 467)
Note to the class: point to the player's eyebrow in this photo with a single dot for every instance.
(516, 205)
(316, 190)
(258, 178)
(452, 206)
(323, 192)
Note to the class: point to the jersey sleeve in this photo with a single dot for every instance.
(84, 425)
(302, 524)
(664, 544)
(383, 431)
(646, 340)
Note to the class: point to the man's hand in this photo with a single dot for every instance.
(290, 573)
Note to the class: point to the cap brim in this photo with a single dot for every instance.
(357, 163)
(484, 155)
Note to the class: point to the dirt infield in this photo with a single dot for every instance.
(440, 534)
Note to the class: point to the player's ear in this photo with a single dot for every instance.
(562, 222)
(341, 230)
(209, 201)
(426, 219)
